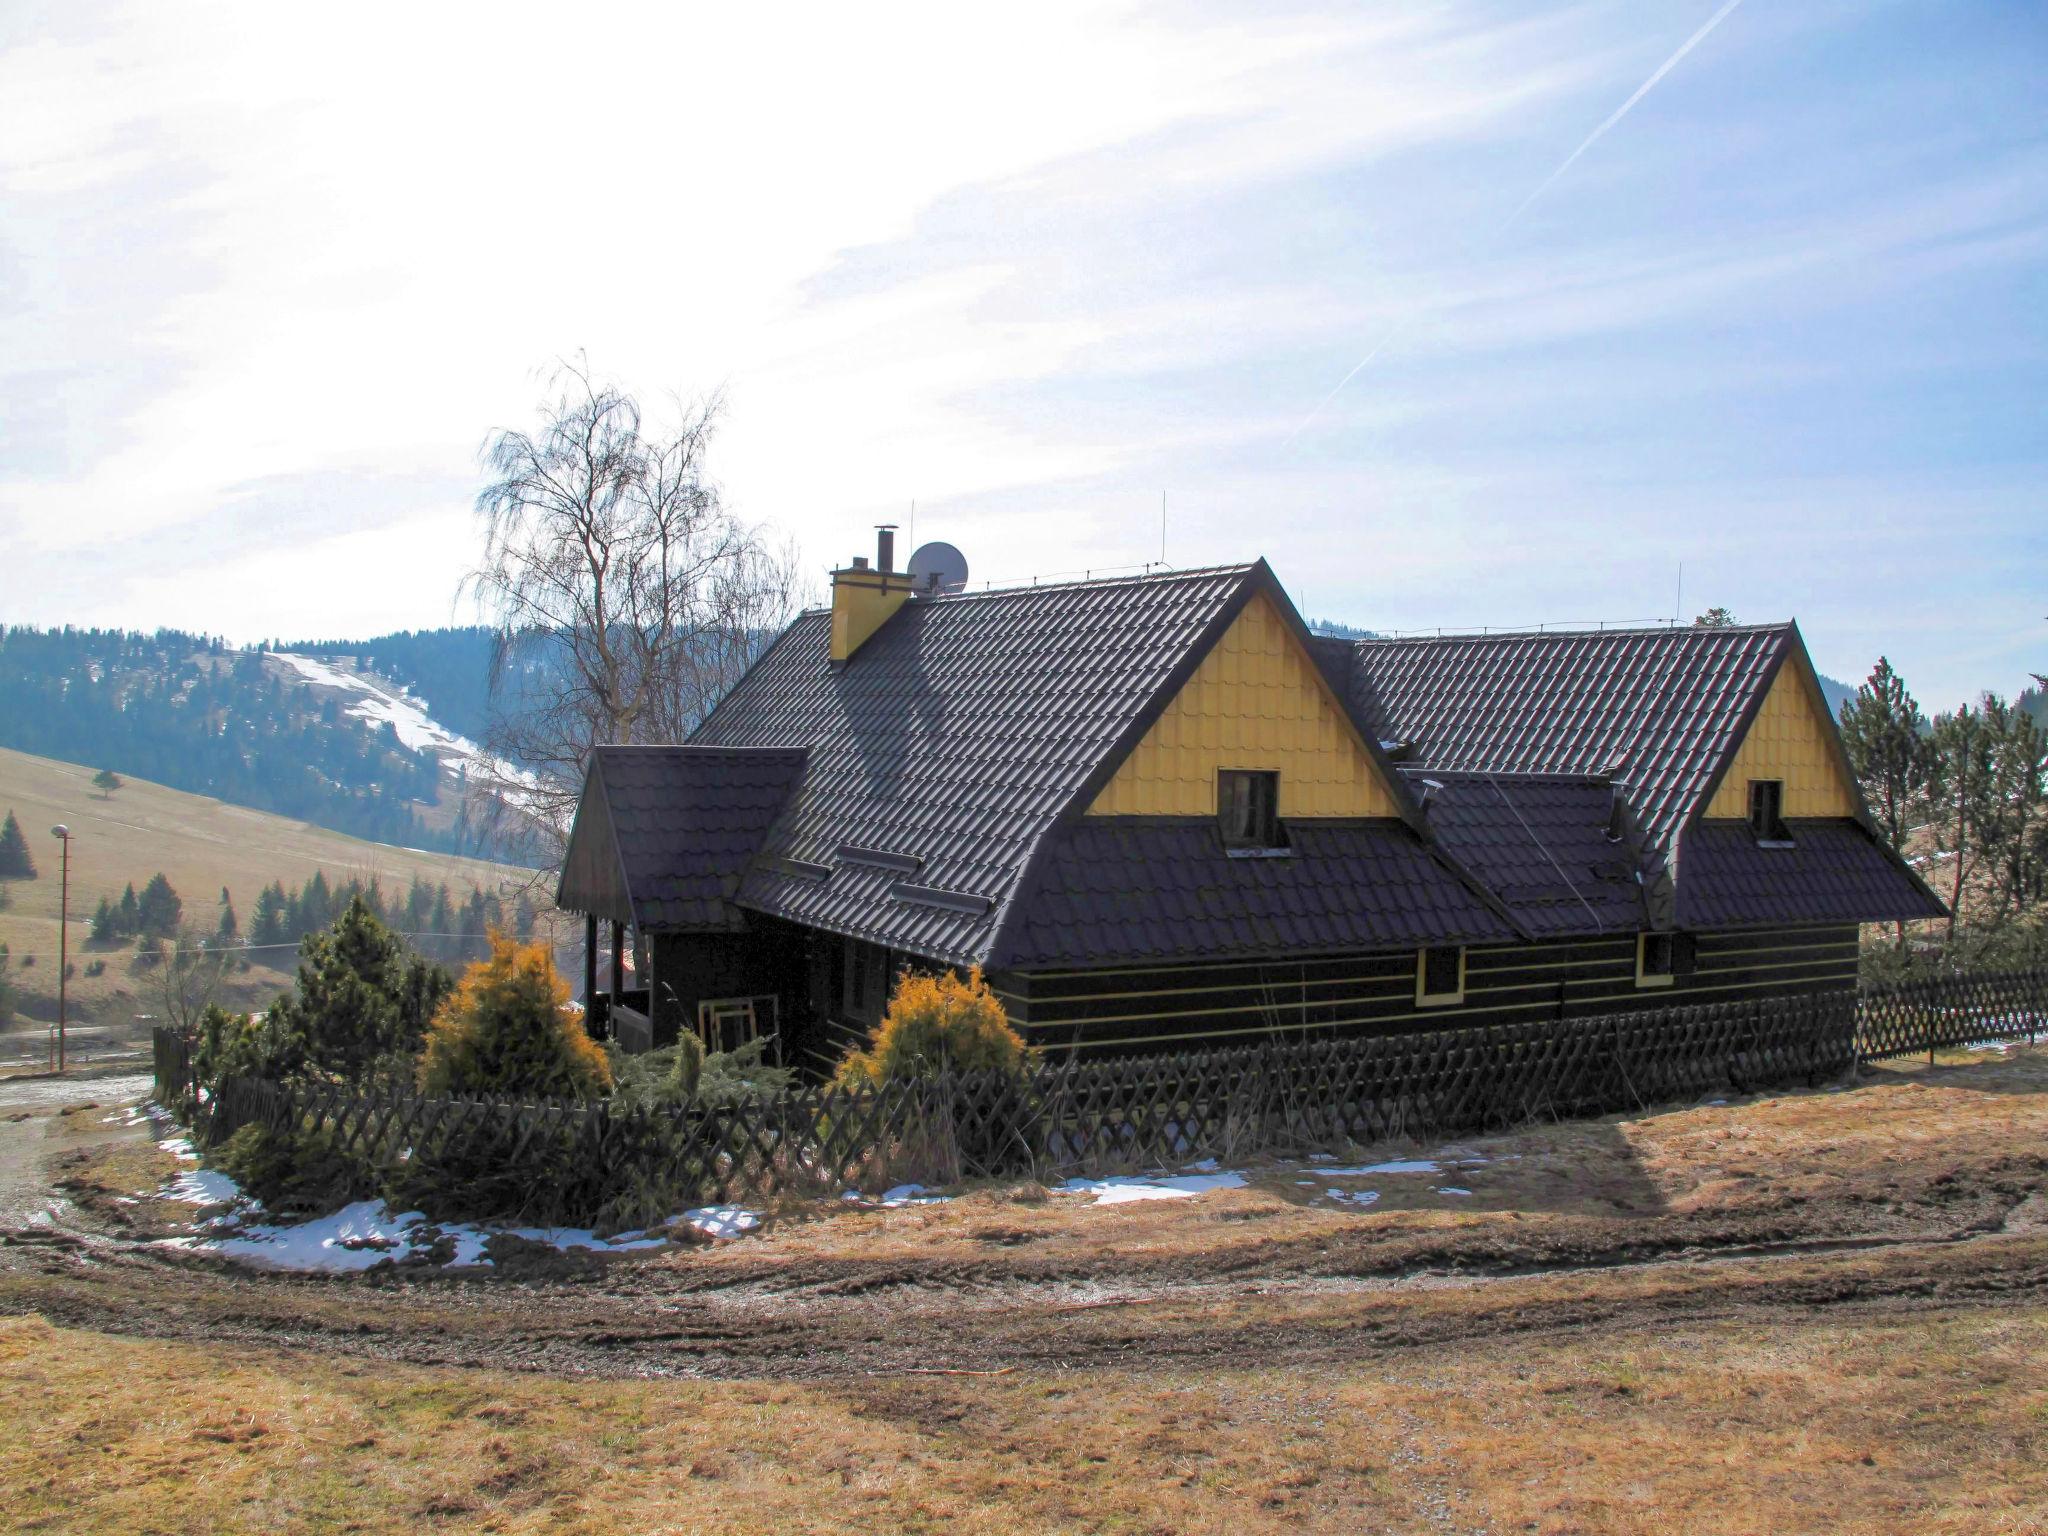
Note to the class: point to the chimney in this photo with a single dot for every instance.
(864, 598)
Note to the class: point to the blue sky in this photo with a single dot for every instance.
(268, 277)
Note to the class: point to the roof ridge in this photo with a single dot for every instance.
(1560, 632)
(1189, 573)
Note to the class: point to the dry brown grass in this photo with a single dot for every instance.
(1936, 1424)
(199, 844)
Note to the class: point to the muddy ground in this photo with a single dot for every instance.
(1913, 1189)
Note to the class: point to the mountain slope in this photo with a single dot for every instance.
(201, 845)
(188, 712)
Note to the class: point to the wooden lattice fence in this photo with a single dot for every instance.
(1283, 1096)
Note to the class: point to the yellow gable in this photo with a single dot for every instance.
(1788, 740)
(1256, 702)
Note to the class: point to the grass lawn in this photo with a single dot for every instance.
(1936, 1424)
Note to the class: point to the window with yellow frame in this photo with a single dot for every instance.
(1439, 976)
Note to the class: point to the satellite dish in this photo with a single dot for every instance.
(937, 569)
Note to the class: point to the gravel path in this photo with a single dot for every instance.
(26, 1105)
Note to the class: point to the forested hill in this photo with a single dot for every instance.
(190, 712)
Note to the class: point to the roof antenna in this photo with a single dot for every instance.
(911, 537)
(1162, 528)
(1678, 605)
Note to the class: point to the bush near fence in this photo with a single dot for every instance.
(1285, 1096)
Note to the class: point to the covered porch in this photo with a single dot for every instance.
(661, 840)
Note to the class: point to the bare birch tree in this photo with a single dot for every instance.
(626, 598)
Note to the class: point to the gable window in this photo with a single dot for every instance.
(1439, 976)
(1248, 808)
(1767, 812)
(1662, 958)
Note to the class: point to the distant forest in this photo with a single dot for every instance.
(190, 712)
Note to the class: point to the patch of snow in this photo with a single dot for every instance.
(1399, 1165)
(1354, 1196)
(1451, 1189)
(1206, 1165)
(721, 1220)
(179, 1147)
(1122, 1189)
(203, 1186)
(369, 1232)
(910, 1194)
(406, 715)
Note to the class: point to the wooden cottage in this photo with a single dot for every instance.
(1159, 811)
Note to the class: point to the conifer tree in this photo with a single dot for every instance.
(106, 923)
(1886, 738)
(130, 911)
(362, 997)
(1961, 790)
(160, 910)
(268, 926)
(16, 862)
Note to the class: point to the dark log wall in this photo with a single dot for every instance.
(1158, 1007)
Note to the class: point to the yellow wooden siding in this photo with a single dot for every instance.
(1788, 740)
(1257, 702)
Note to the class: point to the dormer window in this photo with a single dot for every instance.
(1248, 809)
(1767, 813)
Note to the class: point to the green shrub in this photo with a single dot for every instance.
(296, 1173)
(935, 1024)
(361, 1002)
(506, 1030)
(656, 1078)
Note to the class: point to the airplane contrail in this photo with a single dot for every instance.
(1571, 159)
(1622, 111)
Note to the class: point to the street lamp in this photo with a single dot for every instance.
(63, 835)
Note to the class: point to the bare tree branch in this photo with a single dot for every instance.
(625, 597)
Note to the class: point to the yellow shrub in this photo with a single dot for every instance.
(504, 1031)
(936, 1023)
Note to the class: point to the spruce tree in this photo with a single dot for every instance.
(267, 928)
(130, 911)
(106, 923)
(1886, 738)
(16, 862)
(362, 998)
(160, 910)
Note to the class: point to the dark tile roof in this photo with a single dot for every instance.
(1127, 888)
(1834, 872)
(1539, 844)
(1654, 710)
(683, 823)
(956, 736)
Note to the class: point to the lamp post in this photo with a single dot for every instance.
(63, 835)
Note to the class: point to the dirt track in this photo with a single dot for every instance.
(1915, 1191)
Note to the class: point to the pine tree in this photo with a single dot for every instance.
(160, 910)
(16, 862)
(361, 997)
(1960, 792)
(1886, 738)
(268, 927)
